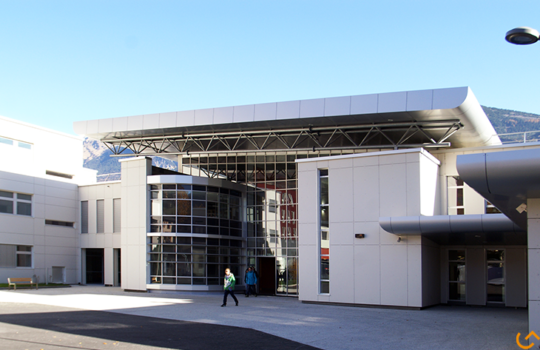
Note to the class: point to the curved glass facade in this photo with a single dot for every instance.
(195, 233)
(271, 210)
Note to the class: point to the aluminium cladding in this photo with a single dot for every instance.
(449, 117)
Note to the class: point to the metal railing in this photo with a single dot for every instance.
(520, 137)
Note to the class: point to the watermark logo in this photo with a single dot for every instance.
(526, 338)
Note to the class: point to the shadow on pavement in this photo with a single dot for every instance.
(148, 331)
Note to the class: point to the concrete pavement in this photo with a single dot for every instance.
(287, 319)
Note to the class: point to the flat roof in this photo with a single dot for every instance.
(457, 105)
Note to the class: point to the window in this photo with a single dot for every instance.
(15, 203)
(455, 188)
(84, 217)
(324, 233)
(24, 256)
(15, 255)
(117, 214)
(6, 141)
(491, 209)
(11, 142)
(495, 276)
(25, 145)
(100, 216)
(59, 223)
(456, 275)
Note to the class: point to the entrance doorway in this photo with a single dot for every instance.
(267, 276)
(94, 266)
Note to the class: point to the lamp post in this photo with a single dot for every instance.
(522, 36)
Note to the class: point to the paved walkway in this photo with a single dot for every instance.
(263, 322)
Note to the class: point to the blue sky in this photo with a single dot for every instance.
(64, 61)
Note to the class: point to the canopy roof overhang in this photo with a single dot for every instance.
(485, 229)
(427, 118)
(506, 179)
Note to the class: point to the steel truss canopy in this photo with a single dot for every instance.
(427, 118)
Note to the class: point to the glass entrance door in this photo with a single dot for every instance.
(456, 276)
(495, 276)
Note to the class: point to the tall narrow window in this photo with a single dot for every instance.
(84, 217)
(455, 188)
(324, 233)
(117, 214)
(100, 216)
(495, 276)
(456, 275)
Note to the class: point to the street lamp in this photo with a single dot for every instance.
(522, 36)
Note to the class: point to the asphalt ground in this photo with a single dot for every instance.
(99, 315)
(36, 326)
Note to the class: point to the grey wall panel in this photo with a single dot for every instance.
(288, 110)
(443, 268)
(311, 108)
(244, 114)
(516, 277)
(476, 276)
(392, 102)
(337, 106)
(364, 104)
(419, 100)
(223, 115)
(204, 116)
(431, 275)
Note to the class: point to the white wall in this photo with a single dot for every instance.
(55, 198)
(377, 269)
(107, 240)
(135, 213)
(52, 245)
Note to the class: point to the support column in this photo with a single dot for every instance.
(108, 267)
(135, 214)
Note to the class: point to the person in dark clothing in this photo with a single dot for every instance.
(228, 285)
(251, 281)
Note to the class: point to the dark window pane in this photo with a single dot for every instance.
(155, 268)
(184, 220)
(183, 269)
(169, 194)
(325, 287)
(456, 255)
(456, 272)
(456, 291)
(24, 260)
(183, 229)
(169, 207)
(183, 240)
(199, 241)
(6, 206)
(186, 249)
(184, 208)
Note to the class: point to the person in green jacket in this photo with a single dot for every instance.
(228, 285)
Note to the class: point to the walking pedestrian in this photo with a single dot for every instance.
(251, 281)
(228, 285)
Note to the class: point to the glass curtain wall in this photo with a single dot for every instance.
(271, 212)
(195, 233)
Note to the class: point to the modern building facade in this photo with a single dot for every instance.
(39, 202)
(353, 200)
